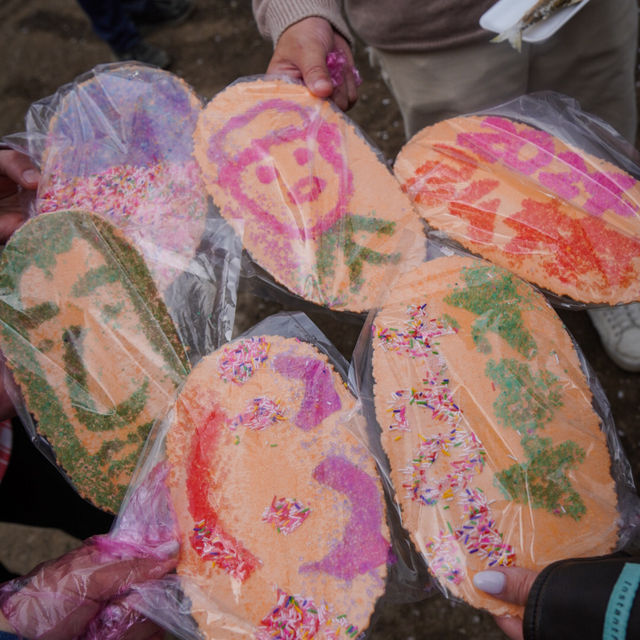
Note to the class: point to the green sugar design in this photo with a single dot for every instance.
(493, 295)
(341, 236)
(542, 480)
(526, 402)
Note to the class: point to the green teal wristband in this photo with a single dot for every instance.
(620, 602)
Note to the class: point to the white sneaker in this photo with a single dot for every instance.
(619, 329)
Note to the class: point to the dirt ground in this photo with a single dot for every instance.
(47, 43)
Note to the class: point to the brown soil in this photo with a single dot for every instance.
(47, 43)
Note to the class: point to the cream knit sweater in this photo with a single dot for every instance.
(395, 25)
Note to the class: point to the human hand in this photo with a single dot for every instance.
(16, 171)
(511, 584)
(84, 594)
(301, 53)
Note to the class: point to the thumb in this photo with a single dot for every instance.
(511, 584)
(315, 74)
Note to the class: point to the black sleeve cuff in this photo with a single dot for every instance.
(569, 600)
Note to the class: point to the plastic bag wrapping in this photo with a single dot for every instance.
(279, 505)
(118, 141)
(321, 210)
(91, 346)
(87, 593)
(537, 186)
(494, 433)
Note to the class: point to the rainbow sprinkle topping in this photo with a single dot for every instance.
(223, 553)
(286, 514)
(443, 556)
(239, 361)
(419, 336)
(261, 413)
(457, 451)
(298, 618)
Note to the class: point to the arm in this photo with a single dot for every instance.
(304, 34)
(16, 172)
(570, 599)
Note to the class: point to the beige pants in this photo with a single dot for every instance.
(592, 59)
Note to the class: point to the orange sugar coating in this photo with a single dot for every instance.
(279, 505)
(90, 344)
(556, 215)
(315, 205)
(497, 456)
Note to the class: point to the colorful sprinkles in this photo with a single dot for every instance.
(458, 448)
(285, 514)
(260, 414)
(239, 361)
(299, 618)
(223, 553)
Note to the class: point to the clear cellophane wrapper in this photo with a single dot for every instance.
(538, 186)
(494, 434)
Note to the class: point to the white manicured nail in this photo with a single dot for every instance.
(492, 582)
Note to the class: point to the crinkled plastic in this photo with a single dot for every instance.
(118, 141)
(320, 211)
(87, 593)
(492, 430)
(539, 187)
(279, 506)
(95, 354)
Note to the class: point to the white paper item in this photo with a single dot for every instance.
(506, 13)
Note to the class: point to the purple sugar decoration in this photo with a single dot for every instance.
(134, 116)
(320, 398)
(362, 548)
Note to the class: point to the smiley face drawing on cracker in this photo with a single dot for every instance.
(559, 217)
(281, 512)
(316, 207)
(497, 455)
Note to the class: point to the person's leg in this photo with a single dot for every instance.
(150, 13)
(593, 59)
(433, 86)
(112, 23)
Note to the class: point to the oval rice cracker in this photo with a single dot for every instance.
(90, 344)
(280, 507)
(315, 205)
(554, 214)
(497, 454)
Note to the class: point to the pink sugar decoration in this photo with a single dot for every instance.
(160, 208)
(260, 414)
(336, 62)
(285, 514)
(239, 361)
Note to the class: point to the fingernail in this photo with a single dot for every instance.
(492, 582)
(30, 175)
